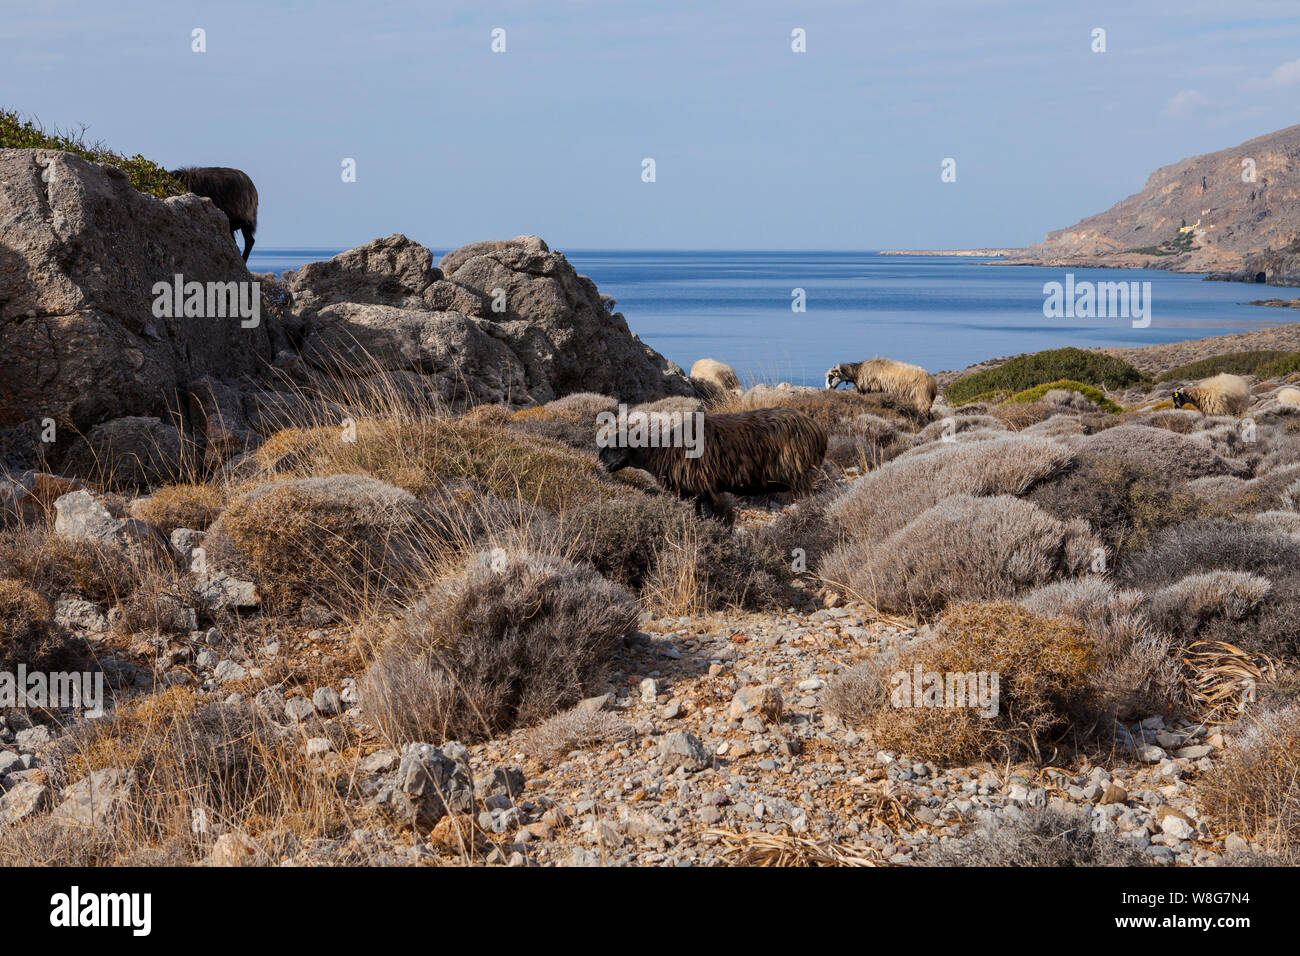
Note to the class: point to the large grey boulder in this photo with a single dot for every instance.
(393, 271)
(80, 254)
(85, 514)
(461, 359)
(558, 326)
(501, 321)
(134, 451)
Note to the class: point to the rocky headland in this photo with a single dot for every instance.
(1234, 214)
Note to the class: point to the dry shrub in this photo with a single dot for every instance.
(1018, 416)
(803, 528)
(487, 416)
(883, 501)
(655, 546)
(53, 564)
(197, 765)
(1265, 492)
(858, 695)
(1037, 837)
(827, 407)
(570, 420)
(28, 634)
(574, 729)
(1221, 544)
(963, 421)
(964, 548)
(1123, 501)
(1045, 668)
(1137, 669)
(1183, 608)
(680, 404)
(180, 506)
(344, 539)
(1211, 544)
(1160, 451)
(1286, 522)
(1254, 786)
(419, 455)
(511, 640)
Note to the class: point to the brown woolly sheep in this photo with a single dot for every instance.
(765, 451)
(231, 191)
(1223, 394)
(909, 384)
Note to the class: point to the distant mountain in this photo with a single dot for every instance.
(1234, 213)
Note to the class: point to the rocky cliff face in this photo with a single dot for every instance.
(1235, 212)
(84, 341)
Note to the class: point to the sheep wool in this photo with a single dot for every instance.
(1223, 394)
(231, 191)
(764, 451)
(908, 384)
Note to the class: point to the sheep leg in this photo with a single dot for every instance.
(248, 241)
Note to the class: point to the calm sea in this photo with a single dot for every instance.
(939, 312)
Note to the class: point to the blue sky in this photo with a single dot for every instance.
(755, 146)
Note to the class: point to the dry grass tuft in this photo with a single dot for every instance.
(180, 506)
(1046, 837)
(1255, 784)
(574, 729)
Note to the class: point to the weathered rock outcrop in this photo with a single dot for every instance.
(1234, 213)
(80, 253)
(83, 350)
(507, 321)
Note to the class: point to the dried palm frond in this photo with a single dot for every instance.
(788, 849)
(1220, 678)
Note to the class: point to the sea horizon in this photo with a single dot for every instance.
(941, 312)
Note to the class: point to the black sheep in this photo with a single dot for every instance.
(231, 191)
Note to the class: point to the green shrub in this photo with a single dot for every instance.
(1124, 502)
(1286, 365)
(1038, 368)
(1235, 363)
(1095, 395)
(146, 176)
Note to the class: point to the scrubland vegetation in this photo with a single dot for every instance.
(479, 571)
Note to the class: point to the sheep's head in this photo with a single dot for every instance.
(1180, 398)
(615, 457)
(835, 377)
